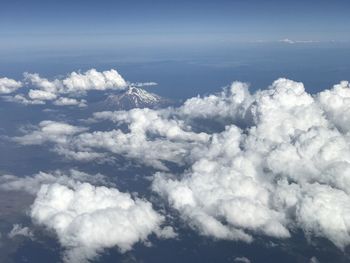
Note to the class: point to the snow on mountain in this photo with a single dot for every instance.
(133, 98)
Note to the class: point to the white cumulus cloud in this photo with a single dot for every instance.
(78, 83)
(281, 162)
(88, 219)
(62, 91)
(9, 85)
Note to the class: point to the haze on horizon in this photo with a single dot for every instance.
(101, 24)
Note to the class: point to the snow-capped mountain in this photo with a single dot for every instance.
(133, 98)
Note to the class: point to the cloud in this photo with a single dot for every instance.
(241, 260)
(9, 85)
(144, 84)
(93, 80)
(87, 213)
(314, 212)
(314, 260)
(336, 104)
(35, 80)
(62, 91)
(63, 101)
(88, 219)
(265, 163)
(222, 185)
(228, 105)
(41, 95)
(78, 83)
(280, 163)
(18, 230)
(290, 41)
(58, 132)
(20, 98)
(32, 184)
(171, 138)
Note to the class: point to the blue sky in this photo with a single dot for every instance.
(102, 23)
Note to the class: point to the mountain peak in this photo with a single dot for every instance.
(134, 98)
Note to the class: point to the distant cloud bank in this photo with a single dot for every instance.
(290, 41)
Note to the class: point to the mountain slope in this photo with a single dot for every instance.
(132, 98)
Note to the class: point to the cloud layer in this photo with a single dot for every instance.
(171, 138)
(32, 184)
(86, 218)
(61, 92)
(266, 163)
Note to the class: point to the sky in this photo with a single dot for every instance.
(69, 24)
(188, 47)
